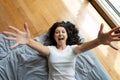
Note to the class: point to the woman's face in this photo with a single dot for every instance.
(60, 35)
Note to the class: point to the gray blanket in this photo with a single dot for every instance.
(24, 63)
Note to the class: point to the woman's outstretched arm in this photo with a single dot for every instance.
(103, 38)
(23, 38)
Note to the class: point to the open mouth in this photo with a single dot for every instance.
(60, 38)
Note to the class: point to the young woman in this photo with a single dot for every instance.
(63, 46)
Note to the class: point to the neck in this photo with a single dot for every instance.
(61, 47)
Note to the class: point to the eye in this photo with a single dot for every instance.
(63, 31)
(56, 32)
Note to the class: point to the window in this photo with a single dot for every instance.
(109, 10)
(112, 8)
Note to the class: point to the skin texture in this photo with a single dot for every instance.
(23, 38)
(60, 37)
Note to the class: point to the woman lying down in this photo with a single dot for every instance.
(63, 46)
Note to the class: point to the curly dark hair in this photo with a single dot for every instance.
(72, 32)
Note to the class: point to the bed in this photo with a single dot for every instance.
(24, 63)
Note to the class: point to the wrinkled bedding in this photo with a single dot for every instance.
(24, 63)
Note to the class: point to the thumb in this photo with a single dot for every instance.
(15, 45)
(101, 28)
(26, 27)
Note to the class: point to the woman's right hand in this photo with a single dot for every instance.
(20, 37)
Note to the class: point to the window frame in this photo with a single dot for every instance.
(102, 11)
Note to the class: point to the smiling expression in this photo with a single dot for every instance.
(60, 35)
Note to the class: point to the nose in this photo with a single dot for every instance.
(60, 33)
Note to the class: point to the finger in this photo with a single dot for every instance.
(113, 47)
(114, 29)
(15, 45)
(117, 39)
(9, 38)
(13, 28)
(26, 27)
(116, 35)
(9, 33)
(101, 28)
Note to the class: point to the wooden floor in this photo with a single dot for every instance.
(41, 14)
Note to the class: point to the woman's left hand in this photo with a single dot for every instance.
(107, 38)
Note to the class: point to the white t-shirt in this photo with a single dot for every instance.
(62, 63)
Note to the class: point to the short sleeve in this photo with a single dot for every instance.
(73, 46)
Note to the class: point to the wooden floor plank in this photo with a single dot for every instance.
(41, 14)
